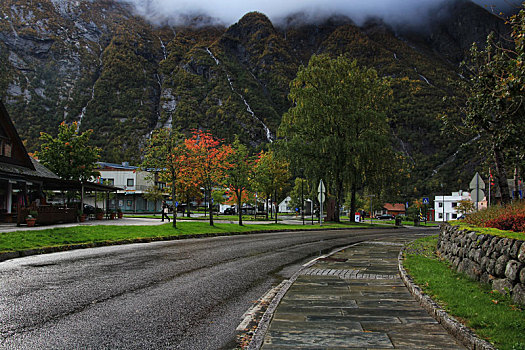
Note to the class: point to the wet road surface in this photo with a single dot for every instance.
(188, 294)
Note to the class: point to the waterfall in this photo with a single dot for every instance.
(453, 157)
(269, 136)
(164, 52)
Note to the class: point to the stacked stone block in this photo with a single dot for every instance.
(489, 259)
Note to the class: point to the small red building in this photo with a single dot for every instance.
(394, 209)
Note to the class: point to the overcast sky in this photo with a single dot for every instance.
(228, 12)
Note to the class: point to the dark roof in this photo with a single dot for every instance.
(23, 168)
(19, 154)
(123, 166)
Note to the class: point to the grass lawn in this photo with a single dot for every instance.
(215, 217)
(491, 315)
(32, 239)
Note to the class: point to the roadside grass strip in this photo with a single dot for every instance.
(488, 230)
(491, 315)
(36, 239)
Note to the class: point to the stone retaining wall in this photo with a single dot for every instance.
(495, 260)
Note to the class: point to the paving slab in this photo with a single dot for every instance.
(355, 299)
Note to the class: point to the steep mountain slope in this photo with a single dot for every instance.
(96, 63)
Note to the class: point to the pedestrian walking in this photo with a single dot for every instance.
(165, 209)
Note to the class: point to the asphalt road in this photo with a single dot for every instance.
(188, 294)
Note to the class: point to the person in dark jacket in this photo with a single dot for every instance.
(165, 209)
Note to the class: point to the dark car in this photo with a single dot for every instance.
(88, 209)
(385, 217)
(229, 211)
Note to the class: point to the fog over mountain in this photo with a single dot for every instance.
(393, 12)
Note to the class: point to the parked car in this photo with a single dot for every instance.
(88, 209)
(385, 217)
(229, 211)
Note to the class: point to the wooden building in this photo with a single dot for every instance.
(23, 181)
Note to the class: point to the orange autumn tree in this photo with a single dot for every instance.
(208, 161)
(165, 153)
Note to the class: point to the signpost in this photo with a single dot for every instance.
(477, 185)
(321, 196)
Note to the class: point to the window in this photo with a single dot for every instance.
(109, 182)
(454, 216)
(440, 215)
(5, 148)
(454, 204)
(131, 183)
(440, 204)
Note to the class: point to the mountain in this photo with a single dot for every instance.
(97, 63)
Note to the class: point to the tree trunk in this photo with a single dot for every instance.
(267, 207)
(173, 195)
(239, 205)
(501, 175)
(210, 205)
(338, 201)
(352, 202)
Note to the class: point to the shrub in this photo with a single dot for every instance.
(510, 217)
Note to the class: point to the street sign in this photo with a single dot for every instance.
(477, 182)
(426, 200)
(477, 196)
(322, 191)
(321, 187)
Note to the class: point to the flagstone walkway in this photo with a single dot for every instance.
(355, 299)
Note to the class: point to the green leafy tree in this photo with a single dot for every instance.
(495, 108)
(299, 193)
(271, 175)
(166, 154)
(69, 155)
(238, 176)
(337, 129)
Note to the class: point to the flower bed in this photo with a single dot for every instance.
(509, 217)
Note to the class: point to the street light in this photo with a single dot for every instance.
(371, 214)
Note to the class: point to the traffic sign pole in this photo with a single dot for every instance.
(321, 189)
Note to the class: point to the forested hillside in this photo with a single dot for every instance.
(98, 63)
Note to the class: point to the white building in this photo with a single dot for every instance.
(284, 206)
(134, 183)
(445, 206)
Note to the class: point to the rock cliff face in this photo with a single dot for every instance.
(97, 63)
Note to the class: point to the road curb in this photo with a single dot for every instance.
(47, 250)
(453, 326)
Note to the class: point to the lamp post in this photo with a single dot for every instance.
(443, 192)
(371, 207)
(302, 201)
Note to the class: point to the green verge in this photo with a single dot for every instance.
(489, 230)
(491, 315)
(34, 239)
(201, 218)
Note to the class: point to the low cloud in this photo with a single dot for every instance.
(394, 12)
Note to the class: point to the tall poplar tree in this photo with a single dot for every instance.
(337, 128)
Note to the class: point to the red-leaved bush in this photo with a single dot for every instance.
(510, 217)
